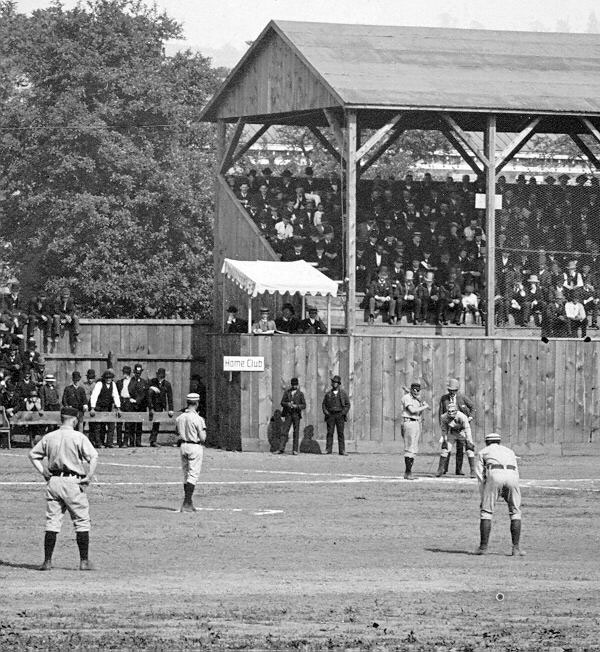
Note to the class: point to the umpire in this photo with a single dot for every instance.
(464, 405)
(66, 450)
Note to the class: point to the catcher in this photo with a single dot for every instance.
(456, 428)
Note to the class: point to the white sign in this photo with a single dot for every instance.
(480, 201)
(243, 363)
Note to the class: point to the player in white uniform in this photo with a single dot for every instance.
(66, 450)
(191, 435)
(456, 428)
(498, 476)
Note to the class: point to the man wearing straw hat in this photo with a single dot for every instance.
(191, 435)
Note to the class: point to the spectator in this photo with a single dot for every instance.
(381, 296)
(161, 400)
(88, 386)
(287, 322)
(126, 406)
(470, 305)
(33, 403)
(67, 316)
(312, 324)
(49, 394)
(74, 396)
(235, 325)
(105, 397)
(575, 313)
(139, 388)
(41, 316)
(427, 299)
(264, 326)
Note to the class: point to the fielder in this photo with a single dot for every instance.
(498, 476)
(66, 450)
(456, 429)
(191, 435)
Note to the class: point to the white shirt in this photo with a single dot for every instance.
(96, 393)
(125, 389)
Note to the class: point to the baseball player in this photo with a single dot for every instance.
(412, 409)
(66, 450)
(456, 428)
(191, 435)
(464, 405)
(498, 476)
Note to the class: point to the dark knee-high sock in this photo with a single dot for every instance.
(49, 543)
(83, 543)
(515, 532)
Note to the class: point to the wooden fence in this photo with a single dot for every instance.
(177, 345)
(536, 394)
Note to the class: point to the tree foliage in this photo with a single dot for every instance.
(105, 173)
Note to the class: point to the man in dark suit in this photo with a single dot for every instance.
(464, 405)
(293, 402)
(74, 396)
(234, 324)
(138, 391)
(41, 315)
(313, 324)
(67, 316)
(287, 322)
(161, 399)
(126, 406)
(336, 406)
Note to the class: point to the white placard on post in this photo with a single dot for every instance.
(243, 363)
(480, 201)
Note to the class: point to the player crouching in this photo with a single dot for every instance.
(456, 428)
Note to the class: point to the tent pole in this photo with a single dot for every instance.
(249, 314)
(303, 306)
(329, 314)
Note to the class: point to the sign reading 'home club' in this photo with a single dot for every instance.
(243, 363)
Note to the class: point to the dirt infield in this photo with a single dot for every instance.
(302, 552)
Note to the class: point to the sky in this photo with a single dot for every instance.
(221, 28)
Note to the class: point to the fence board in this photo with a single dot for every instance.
(569, 393)
(559, 401)
(388, 394)
(399, 361)
(376, 423)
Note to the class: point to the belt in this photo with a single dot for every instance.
(410, 419)
(511, 467)
(66, 474)
(183, 441)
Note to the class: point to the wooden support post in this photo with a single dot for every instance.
(591, 127)
(227, 159)
(592, 158)
(249, 314)
(490, 214)
(377, 137)
(351, 177)
(329, 314)
(523, 137)
(303, 309)
(244, 148)
(218, 296)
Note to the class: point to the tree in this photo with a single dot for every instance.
(106, 174)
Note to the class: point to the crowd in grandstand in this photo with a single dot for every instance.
(421, 245)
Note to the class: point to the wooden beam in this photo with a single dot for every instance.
(336, 127)
(591, 128)
(351, 179)
(469, 160)
(377, 137)
(576, 138)
(227, 159)
(327, 144)
(490, 215)
(463, 138)
(382, 148)
(244, 148)
(517, 144)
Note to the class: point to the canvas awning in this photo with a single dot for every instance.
(259, 276)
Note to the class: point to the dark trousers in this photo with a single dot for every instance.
(335, 422)
(125, 436)
(155, 430)
(290, 420)
(137, 427)
(105, 433)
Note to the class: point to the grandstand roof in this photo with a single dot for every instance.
(294, 67)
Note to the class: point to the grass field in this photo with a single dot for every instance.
(306, 552)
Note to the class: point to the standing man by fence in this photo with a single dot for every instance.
(336, 406)
(293, 402)
(161, 399)
(138, 391)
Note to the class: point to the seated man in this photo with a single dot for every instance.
(470, 305)
(381, 296)
(312, 324)
(534, 300)
(67, 317)
(451, 306)
(575, 313)
(265, 325)
(427, 299)
(41, 316)
(590, 300)
(33, 403)
(287, 322)
(235, 325)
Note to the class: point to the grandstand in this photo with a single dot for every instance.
(498, 254)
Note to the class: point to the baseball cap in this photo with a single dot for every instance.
(69, 412)
(192, 396)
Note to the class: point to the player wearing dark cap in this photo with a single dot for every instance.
(412, 408)
(66, 451)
